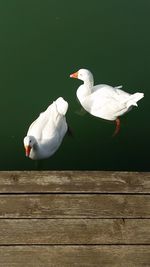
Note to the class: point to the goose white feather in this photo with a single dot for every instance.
(104, 101)
(46, 133)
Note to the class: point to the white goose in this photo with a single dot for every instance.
(46, 133)
(102, 100)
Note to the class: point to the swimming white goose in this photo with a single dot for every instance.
(102, 100)
(46, 133)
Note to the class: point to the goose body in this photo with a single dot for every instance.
(104, 101)
(46, 133)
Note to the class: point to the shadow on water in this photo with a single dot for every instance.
(38, 165)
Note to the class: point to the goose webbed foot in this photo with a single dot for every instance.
(117, 129)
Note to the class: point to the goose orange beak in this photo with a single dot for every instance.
(27, 150)
(74, 75)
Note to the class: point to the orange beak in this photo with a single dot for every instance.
(74, 75)
(27, 150)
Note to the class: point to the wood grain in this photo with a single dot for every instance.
(74, 231)
(74, 206)
(74, 181)
(73, 256)
(74, 218)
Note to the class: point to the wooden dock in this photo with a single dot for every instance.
(74, 219)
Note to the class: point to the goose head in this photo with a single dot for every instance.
(29, 142)
(83, 75)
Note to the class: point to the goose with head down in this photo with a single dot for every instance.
(46, 133)
(104, 101)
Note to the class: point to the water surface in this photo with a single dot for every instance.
(42, 42)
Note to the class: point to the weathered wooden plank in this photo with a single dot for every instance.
(74, 181)
(74, 231)
(74, 206)
(81, 256)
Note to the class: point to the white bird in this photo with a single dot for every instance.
(46, 133)
(104, 101)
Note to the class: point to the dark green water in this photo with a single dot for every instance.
(41, 43)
